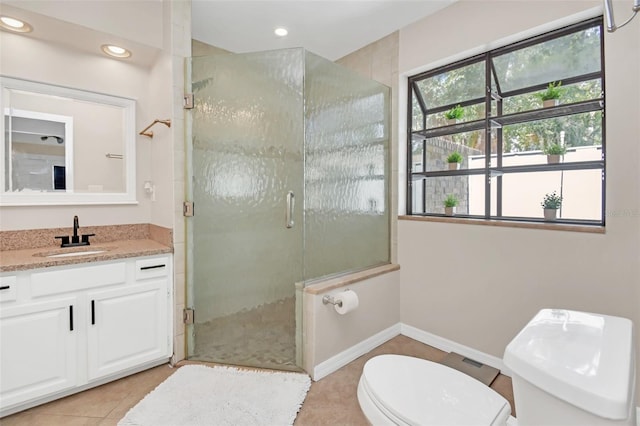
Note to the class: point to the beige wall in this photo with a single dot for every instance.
(199, 48)
(478, 285)
(29, 58)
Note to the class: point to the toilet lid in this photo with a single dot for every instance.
(415, 391)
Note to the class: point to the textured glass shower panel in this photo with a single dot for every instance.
(247, 155)
(346, 170)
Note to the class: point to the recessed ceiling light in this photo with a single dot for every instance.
(281, 32)
(13, 24)
(115, 51)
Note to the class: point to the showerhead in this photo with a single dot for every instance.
(57, 138)
(608, 7)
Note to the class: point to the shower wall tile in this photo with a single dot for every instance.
(358, 61)
(178, 93)
(178, 231)
(180, 45)
(384, 59)
(179, 289)
(179, 256)
(178, 349)
(179, 219)
(178, 148)
(381, 70)
(199, 48)
(178, 325)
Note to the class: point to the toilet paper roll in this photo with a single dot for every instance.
(349, 299)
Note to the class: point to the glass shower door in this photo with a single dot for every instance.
(246, 237)
(346, 170)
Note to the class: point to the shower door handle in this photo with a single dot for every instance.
(291, 203)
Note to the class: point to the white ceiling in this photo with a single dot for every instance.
(136, 20)
(329, 28)
(85, 25)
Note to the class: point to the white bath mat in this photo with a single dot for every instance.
(200, 395)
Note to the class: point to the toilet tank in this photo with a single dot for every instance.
(571, 367)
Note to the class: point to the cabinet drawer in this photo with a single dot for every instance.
(77, 278)
(8, 292)
(151, 268)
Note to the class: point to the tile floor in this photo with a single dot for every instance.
(330, 401)
(264, 336)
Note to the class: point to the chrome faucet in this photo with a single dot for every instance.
(75, 238)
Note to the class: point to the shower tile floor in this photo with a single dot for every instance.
(260, 337)
(330, 401)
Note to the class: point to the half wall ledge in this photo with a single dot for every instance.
(323, 285)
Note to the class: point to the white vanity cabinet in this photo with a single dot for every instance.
(68, 328)
(39, 349)
(128, 324)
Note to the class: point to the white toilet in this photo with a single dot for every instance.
(574, 368)
(568, 368)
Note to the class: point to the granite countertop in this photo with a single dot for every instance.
(25, 259)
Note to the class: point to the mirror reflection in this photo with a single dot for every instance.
(61, 140)
(36, 145)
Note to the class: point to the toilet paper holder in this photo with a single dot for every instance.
(330, 300)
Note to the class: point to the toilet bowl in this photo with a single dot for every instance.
(403, 390)
(568, 368)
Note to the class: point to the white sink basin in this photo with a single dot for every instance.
(77, 253)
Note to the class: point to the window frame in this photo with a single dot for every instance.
(485, 124)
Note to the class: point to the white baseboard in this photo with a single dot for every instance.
(345, 357)
(451, 346)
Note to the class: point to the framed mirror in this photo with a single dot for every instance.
(65, 146)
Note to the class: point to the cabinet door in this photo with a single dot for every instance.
(128, 326)
(39, 349)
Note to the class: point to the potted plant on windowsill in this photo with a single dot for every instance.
(551, 203)
(554, 151)
(551, 96)
(454, 160)
(454, 114)
(450, 204)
